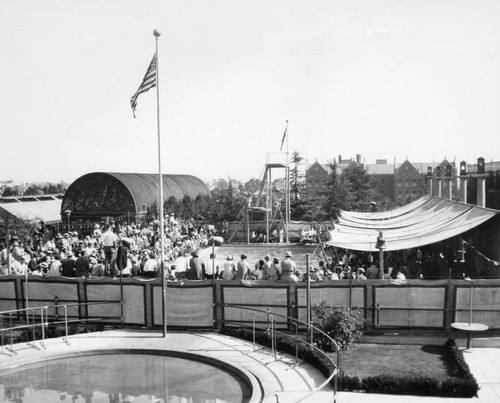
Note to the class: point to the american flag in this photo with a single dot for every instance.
(148, 82)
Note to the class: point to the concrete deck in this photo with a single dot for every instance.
(271, 379)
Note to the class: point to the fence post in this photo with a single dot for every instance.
(253, 330)
(296, 343)
(56, 313)
(66, 323)
(377, 319)
(10, 332)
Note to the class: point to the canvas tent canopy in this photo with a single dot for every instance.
(428, 220)
(47, 211)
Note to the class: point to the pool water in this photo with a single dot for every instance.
(122, 378)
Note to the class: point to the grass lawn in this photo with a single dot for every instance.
(363, 360)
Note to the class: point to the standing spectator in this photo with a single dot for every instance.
(242, 268)
(122, 257)
(82, 265)
(4, 267)
(196, 267)
(288, 269)
(109, 240)
(68, 266)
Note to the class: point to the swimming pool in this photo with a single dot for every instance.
(123, 377)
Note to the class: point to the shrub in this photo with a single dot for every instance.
(342, 324)
(420, 386)
(351, 383)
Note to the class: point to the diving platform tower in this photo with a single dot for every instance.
(266, 200)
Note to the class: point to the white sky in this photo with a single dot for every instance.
(381, 78)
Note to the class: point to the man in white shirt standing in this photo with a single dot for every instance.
(109, 240)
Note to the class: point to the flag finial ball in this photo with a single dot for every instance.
(156, 33)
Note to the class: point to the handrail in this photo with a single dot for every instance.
(271, 327)
(44, 321)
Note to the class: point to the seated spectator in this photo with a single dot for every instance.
(82, 265)
(372, 273)
(210, 267)
(242, 268)
(97, 269)
(387, 273)
(181, 266)
(196, 267)
(400, 275)
(229, 269)
(274, 271)
(55, 267)
(150, 267)
(289, 269)
(258, 272)
(136, 265)
(40, 270)
(316, 274)
(68, 266)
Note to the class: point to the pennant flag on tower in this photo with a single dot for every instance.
(148, 82)
(284, 135)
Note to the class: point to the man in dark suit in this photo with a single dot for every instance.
(82, 265)
(68, 266)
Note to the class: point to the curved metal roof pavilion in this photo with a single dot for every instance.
(111, 194)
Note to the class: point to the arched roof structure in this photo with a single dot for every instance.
(111, 194)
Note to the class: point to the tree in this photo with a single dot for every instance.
(53, 188)
(337, 194)
(11, 191)
(33, 190)
(232, 203)
(297, 204)
(252, 186)
(359, 186)
(353, 190)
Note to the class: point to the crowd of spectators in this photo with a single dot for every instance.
(134, 251)
(113, 250)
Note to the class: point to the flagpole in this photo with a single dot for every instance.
(287, 187)
(160, 185)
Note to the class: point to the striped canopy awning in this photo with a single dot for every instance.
(428, 220)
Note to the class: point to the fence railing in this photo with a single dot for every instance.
(272, 332)
(37, 317)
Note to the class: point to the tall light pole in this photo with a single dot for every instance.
(381, 247)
